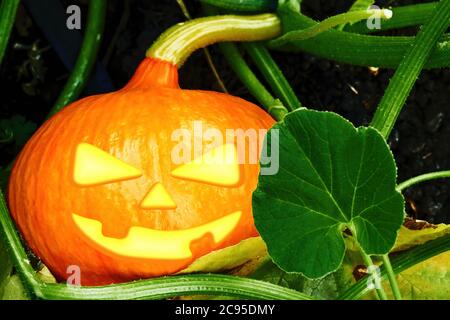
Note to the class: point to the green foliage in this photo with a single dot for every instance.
(19, 129)
(13, 289)
(331, 177)
(351, 48)
(408, 238)
(249, 251)
(328, 287)
(409, 69)
(334, 200)
(358, 5)
(327, 24)
(429, 279)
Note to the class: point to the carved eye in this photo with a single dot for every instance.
(95, 166)
(219, 167)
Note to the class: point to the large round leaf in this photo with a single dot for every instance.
(331, 176)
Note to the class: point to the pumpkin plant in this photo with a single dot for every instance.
(97, 186)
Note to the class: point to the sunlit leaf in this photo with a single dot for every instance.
(246, 255)
(427, 280)
(14, 289)
(408, 238)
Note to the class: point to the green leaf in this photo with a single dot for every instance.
(408, 238)
(331, 177)
(270, 272)
(431, 278)
(328, 288)
(14, 289)
(427, 280)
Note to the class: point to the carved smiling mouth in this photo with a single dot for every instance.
(156, 244)
(94, 166)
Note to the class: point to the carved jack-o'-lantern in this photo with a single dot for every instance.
(97, 187)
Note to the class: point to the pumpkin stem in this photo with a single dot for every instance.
(177, 43)
(154, 73)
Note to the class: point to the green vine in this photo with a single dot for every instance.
(8, 11)
(327, 24)
(409, 69)
(240, 67)
(369, 262)
(274, 106)
(273, 75)
(424, 177)
(86, 58)
(356, 49)
(391, 276)
(173, 286)
(403, 16)
(406, 16)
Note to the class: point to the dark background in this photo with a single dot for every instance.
(31, 79)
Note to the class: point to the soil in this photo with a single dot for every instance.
(420, 140)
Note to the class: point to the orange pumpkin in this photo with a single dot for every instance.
(96, 187)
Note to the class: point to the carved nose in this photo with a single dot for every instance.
(158, 198)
